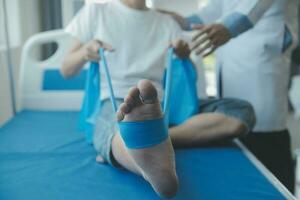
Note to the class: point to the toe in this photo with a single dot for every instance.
(120, 116)
(132, 99)
(124, 109)
(148, 93)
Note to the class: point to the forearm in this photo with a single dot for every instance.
(73, 63)
(186, 23)
(245, 16)
(191, 20)
(183, 22)
(208, 14)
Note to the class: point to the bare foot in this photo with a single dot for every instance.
(157, 163)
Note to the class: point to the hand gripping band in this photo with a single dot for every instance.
(141, 134)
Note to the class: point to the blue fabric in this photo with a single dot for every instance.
(90, 101)
(237, 23)
(184, 101)
(180, 107)
(108, 79)
(143, 134)
(287, 39)
(168, 81)
(193, 19)
(42, 157)
(52, 80)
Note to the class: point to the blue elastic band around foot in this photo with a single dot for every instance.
(143, 134)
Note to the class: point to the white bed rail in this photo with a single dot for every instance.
(31, 93)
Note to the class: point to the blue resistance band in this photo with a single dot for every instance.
(107, 75)
(141, 134)
(166, 106)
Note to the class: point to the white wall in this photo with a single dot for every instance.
(5, 92)
(25, 24)
(5, 95)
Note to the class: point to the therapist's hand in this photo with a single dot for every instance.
(181, 48)
(90, 51)
(209, 38)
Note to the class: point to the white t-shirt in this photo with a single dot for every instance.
(140, 39)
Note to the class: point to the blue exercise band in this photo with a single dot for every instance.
(107, 75)
(142, 134)
(167, 95)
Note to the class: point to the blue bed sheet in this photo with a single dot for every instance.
(42, 156)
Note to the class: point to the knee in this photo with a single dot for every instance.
(244, 113)
(239, 129)
(248, 116)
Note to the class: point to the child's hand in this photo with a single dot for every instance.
(91, 49)
(181, 48)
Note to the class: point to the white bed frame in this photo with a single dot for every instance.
(31, 96)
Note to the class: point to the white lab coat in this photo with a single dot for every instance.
(252, 64)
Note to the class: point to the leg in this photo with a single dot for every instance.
(221, 119)
(156, 164)
(206, 128)
(273, 149)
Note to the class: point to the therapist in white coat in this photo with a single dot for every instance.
(250, 37)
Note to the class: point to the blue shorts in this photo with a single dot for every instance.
(106, 125)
